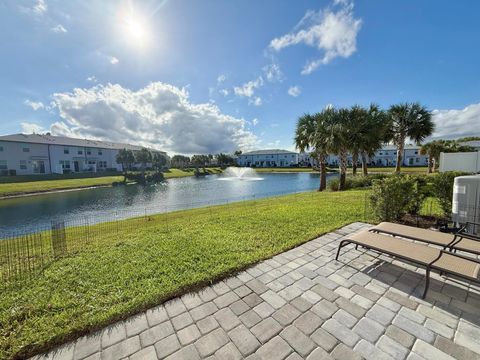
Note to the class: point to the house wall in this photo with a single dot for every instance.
(16, 157)
(268, 160)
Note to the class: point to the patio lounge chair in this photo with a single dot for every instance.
(457, 241)
(421, 255)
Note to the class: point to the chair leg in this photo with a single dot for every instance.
(356, 247)
(340, 246)
(427, 282)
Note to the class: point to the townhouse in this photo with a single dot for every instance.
(26, 154)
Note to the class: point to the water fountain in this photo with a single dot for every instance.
(240, 173)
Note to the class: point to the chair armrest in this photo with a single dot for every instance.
(458, 255)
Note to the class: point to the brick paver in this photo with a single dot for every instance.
(303, 304)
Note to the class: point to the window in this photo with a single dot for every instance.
(65, 164)
(102, 164)
(23, 164)
(89, 151)
(100, 152)
(26, 149)
(1, 147)
(80, 152)
(3, 165)
(66, 150)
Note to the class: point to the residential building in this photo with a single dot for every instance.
(474, 144)
(26, 154)
(268, 158)
(387, 156)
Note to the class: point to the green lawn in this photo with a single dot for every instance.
(14, 185)
(138, 263)
(405, 169)
(289, 169)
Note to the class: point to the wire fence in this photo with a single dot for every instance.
(24, 252)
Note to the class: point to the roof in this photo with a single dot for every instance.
(268, 152)
(67, 141)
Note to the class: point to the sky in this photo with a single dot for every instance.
(190, 76)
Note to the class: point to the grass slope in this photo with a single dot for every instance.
(21, 185)
(139, 263)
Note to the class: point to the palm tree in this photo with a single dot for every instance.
(337, 139)
(375, 127)
(408, 120)
(310, 135)
(357, 132)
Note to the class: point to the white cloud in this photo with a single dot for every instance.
(248, 89)
(31, 128)
(92, 79)
(255, 122)
(114, 60)
(272, 72)
(294, 91)
(224, 92)
(221, 78)
(159, 115)
(40, 7)
(332, 32)
(256, 101)
(59, 29)
(454, 123)
(35, 105)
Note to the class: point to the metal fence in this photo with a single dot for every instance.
(23, 252)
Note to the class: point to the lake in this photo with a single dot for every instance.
(33, 213)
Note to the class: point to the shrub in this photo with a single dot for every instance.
(393, 197)
(356, 182)
(443, 189)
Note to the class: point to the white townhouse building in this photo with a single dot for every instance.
(268, 158)
(26, 154)
(474, 144)
(386, 156)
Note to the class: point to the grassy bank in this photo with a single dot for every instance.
(405, 169)
(139, 263)
(15, 185)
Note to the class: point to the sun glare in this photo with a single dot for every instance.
(135, 29)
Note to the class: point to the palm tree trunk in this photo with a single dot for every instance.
(400, 148)
(354, 164)
(364, 164)
(323, 172)
(430, 164)
(343, 170)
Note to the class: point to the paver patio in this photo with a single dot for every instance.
(302, 304)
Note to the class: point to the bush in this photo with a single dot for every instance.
(356, 182)
(394, 196)
(443, 189)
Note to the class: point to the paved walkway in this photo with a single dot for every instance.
(303, 305)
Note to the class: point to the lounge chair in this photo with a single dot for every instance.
(425, 256)
(457, 241)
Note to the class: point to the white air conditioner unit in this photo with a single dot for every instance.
(466, 201)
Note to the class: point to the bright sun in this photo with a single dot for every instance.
(135, 29)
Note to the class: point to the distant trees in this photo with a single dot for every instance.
(126, 158)
(143, 157)
(180, 161)
(159, 161)
(408, 120)
(224, 159)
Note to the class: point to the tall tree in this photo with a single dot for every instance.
(126, 158)
(408, 120)
(337, 139)
(180, 161)
(357, 131)
(375, 134)
(143, 157)
(310, 135)
(159, 161)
